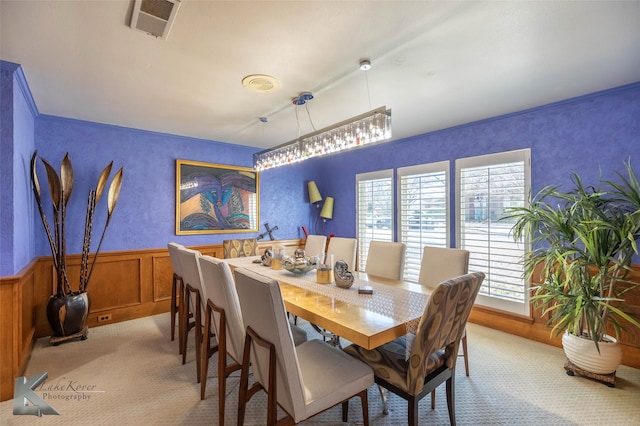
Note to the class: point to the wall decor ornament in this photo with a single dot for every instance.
(216, 198)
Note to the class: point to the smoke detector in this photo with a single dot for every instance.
(155, 17)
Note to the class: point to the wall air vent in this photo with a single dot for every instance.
(154, 17)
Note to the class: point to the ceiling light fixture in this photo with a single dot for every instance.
(373, 126)
(370, 127)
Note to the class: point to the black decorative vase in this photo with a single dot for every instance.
(67, 317)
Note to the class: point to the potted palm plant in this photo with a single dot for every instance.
(68, 307)
(583, 242)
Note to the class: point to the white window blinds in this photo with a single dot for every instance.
(486, 185)
(374, 210)
(423, 211)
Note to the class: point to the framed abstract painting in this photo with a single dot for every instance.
(216, 198)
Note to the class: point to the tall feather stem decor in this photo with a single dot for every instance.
(60, 190)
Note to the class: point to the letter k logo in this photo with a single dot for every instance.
(23, 394)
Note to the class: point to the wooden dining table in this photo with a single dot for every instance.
(368, 320)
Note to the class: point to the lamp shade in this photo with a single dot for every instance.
(327, 209)
(314, 194)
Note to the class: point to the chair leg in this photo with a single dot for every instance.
(383, 396)
(204, 356)
(365, 407)
(207, 352)
(345, 411)
(413, 411)
(451, 403)
(185, 324)
(244, 380)
(181, 317)
(174, 306)
(465, 353)
(433, 399)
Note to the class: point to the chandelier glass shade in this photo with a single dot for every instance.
(373, 126)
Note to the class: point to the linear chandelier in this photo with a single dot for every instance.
(370, 127)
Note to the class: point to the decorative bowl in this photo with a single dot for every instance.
(299, 266)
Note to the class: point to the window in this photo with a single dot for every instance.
(486, 185)
(374, 210)
(423, 211)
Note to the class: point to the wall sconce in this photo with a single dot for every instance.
(314, 198)
(327, 211)
(314, 194)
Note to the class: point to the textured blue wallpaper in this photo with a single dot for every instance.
(145, 214)
(589, 135)
(16, 144)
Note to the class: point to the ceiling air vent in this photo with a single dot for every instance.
(154, 17)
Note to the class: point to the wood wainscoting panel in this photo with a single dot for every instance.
(162, 277)
(17, 328)
(116, 283)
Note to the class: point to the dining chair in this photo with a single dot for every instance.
(440, 264)
(194, 297)
(177, 288)
(303, 380)
(343, 249)
(434, 352)
(316, 245)
(240, 248)
(223, 319)
(385, 259)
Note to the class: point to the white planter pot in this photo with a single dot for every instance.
(583, 353)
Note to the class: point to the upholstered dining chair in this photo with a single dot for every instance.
(303, 380)
(385, 259)
(440, 264)
(316, 245)
(194, 297)
(343, 249)
(433, 355)
(224, 319)
(177, 288)
(240, 247)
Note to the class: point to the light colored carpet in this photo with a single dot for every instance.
(135, 376)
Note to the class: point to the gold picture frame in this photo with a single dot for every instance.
(216, 198)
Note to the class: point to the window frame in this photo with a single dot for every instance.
(413, 259)
(487, 160)
(363, 240)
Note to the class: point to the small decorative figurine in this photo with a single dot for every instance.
(266, 257)
(344, 278)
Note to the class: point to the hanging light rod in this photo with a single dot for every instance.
(370, 127)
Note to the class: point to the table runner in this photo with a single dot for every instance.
(398, 303)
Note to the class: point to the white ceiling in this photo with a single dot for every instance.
(436, 64)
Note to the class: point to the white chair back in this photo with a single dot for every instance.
(385, 259)
(440, 264)
(343, 249)
(191, 274)
(221, 290)
(263, 310)
(316, 245)
(175, 260)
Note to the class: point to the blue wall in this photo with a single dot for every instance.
(589, 135)
(17, 115)
(145, 214)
